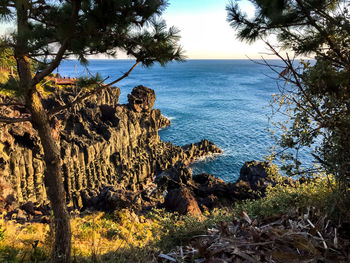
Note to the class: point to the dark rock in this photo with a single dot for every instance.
(182, 201)
(101, 143)
(141, 99)
(21, 216)
(108, 114)
(209, 202)
(210, 191)
(45, 220)
(177, 175)
(29, 207)
(163, 122)
(203, 148)
(208, 184)
(7, 196)
(116, 198)
(241, 190)
(255, 174)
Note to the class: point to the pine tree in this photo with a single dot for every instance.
(316, 93)
(46, 32)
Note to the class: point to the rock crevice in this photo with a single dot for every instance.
(103, 145)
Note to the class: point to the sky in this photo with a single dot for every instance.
(205, 33)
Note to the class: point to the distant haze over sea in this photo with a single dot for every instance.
(225, 101)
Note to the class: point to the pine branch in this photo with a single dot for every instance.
(313, 22)
(61, 52)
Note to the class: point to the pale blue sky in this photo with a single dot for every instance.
(205, 31)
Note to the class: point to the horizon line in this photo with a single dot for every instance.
(181, 61)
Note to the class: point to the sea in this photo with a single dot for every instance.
(224, 101)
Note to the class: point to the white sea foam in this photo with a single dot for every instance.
(226, 109)
(169, 117)
(210, 156)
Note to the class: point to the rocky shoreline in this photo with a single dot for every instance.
(113, 158)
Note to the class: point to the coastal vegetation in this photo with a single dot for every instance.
(124, 236)
(314, 93)
(263, 217)
(47, 32)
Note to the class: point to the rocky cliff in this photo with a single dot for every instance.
(103, 144)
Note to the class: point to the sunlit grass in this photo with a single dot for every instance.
(125, 236)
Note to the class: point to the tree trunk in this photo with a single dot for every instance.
(53, 181)
(40, 121)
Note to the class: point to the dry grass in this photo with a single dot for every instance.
(101, 237)
(126, 237)
(93, 235)
(306, 238)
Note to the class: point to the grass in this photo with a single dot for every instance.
(101, 237)
(320, 192)
(126, 237)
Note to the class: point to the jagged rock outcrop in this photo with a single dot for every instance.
(182, 201)
(142, 99)
(255, 174)
(209, 191)
(106, 150)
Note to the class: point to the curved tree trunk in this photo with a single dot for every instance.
(53, 181)
(40, 121)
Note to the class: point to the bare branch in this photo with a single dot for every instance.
(11, 104)
(91, 93)
(13, 120)
(296, 77)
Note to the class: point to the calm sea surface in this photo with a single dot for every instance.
(225, 101)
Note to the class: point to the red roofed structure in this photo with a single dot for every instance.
(63, 81)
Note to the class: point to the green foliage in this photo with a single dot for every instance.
(11, 87)
(314, 94)
(89, 82)
(7, 59)
(9, 254)
(126, 237)
(283, 199)
(119, 237)
(99, 27)
(2, 233)
(176, 229)
(53, 31)
(4, 76)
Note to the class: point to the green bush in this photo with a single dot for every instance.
(318, 192)
(2, 233)
(175, 229)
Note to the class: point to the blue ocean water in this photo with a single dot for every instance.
(225, 101)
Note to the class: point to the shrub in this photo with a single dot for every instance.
(283, 199)
(2, 233)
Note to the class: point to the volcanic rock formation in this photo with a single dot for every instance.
(107, 150)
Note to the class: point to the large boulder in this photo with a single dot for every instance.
(208, 184)
(114, 198)
(141, 99)
(255, 174)
(182, 201)
(175, 176)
